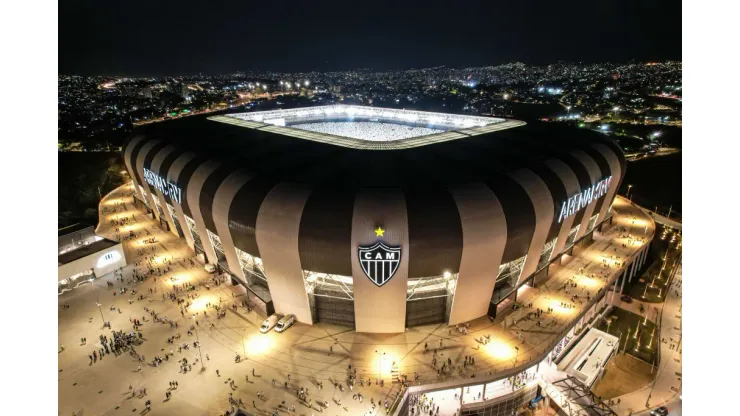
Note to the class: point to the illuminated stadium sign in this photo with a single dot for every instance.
(580, 200)
(167, 188)
(379, 261)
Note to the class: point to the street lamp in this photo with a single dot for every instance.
(97, 302)
(202, 368)
(629, 188)
(626, 340)
(568, 107)
(380, 363)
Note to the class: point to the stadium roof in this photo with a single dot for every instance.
(456, 126)
(270, 154)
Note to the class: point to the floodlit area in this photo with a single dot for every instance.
(370, 131)
(302, 356)
(363, 127)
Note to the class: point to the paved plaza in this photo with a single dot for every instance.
(304, 355)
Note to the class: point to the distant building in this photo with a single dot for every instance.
(179, 89)
(135, 91)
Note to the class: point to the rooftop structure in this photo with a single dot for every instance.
(371, 128)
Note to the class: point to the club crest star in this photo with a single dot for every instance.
(379, 232)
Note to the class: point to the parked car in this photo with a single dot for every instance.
(269, 323)
(210, 268)
(285, 322)
(626, 299)
(661, 411)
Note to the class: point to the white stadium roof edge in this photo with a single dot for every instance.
(457, 126)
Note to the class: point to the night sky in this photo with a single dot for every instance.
(157, 37)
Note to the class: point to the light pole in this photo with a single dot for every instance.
(568, 107)
(97, 302)
(626, 340)
(629, 195)
(202, 368)
(244, 345)
(376, 352)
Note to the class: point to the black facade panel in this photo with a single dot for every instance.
(335, 311)
(584, 180)
(559, 196)
(164, 168)
(208, 193)
(147, 165)
(427, 311)
(134, 154)
(435, 232)
(243, 214)
(520, 217)
(325, 233)
(185, 174)
(605, 172)
(152, 153)
(622, 160)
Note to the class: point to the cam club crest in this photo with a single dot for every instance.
(379, 261)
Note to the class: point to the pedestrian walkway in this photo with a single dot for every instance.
(304, 355)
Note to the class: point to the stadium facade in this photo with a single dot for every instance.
(378, 233)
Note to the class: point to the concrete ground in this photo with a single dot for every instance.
(300, 356)
(623, 374)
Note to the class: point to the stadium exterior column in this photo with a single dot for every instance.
(544, 213)
(156, 166)
(484, 239)
(128, 162)
(623, 276)
(195, 185)
(616, 171)
(614, 291)
(380, 309)
(594, 172)
(172, 175)
(278, 223)
(221, 205)
(570, 181)
(145, 149)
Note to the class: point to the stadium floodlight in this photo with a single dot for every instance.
(306, 83)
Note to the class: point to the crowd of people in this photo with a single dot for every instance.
(367, 130)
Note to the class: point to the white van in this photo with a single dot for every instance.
(285, 322)
(269, 323)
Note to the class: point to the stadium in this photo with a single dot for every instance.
(378, 219)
